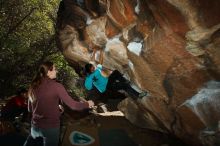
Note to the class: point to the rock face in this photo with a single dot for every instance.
(170, 48)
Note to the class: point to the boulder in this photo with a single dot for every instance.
(169, 48)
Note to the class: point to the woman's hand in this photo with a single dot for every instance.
(93, 55)
(91, 103)
(101, 57)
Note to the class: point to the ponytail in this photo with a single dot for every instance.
(40, 75)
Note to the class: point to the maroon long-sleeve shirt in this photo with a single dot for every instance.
(45, 110)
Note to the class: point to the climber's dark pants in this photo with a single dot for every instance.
(117, 82)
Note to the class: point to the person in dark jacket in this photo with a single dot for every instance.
(15, 106)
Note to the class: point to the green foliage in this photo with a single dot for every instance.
(27, 37)
(67, 76)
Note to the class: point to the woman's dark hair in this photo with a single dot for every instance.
(41, 74)
(88, 67)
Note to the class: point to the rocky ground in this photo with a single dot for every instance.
(107, 119)
(105, 124)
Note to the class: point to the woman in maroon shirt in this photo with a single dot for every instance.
(44, 96)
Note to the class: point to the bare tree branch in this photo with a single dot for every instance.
(20, 22)
(11, 30)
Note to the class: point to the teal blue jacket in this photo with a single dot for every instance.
(96, 79)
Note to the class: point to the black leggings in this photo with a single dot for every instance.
(116, 82)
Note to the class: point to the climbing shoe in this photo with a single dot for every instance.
(142, 94)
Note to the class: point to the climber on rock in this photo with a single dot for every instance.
(97, 77)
